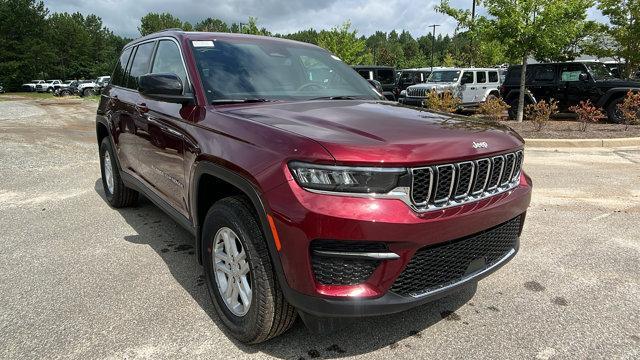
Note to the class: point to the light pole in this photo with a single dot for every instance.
(433, 44)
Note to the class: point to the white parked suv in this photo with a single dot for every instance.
(31, 86)
(472, 85)
(86, 89)
(48, 86)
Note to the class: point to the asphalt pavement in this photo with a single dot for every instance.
(81, 280)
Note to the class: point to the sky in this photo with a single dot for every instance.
(278, 16)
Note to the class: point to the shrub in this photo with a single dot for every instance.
(540, 113)
(587, 113)
(445, 102)
(494, 108)
(630, 109)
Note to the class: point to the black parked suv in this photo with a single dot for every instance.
(569, 83)
(408, 77)
(386, 75)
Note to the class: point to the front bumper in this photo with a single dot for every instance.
(302, 217)
(413, 101)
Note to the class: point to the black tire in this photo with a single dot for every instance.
(121, 196)
(87, 92)
(269, 314)
(613, 113)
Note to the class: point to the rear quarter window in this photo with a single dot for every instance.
(118, 73)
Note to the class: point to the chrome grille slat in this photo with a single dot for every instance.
(445, 185)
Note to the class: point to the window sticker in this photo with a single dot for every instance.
(202, 43)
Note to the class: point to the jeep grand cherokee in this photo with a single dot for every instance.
(307, 193)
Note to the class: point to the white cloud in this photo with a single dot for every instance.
(368, 16)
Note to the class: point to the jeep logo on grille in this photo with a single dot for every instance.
(480, 145)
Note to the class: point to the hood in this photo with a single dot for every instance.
(370, 132)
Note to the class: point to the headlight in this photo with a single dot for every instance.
(345, 178)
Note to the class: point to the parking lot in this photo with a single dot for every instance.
(81, 280)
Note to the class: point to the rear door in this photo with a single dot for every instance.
(133, 129)
(161, 124)
(481, 86)
(120, 114)
(543, 82)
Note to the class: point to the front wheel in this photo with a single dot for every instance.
(241, 280)
(86, 92)
(614, 113)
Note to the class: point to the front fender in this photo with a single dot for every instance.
(614, 94)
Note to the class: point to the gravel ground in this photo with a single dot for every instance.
(81, 280)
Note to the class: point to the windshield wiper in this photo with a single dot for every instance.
(237, 101)
(336, 98)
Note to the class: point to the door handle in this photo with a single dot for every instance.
(142, 108)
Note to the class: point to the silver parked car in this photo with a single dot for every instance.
(472, 85)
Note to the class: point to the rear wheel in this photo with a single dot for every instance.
(87, 92)
(614, 113)
(240, 276)
(118, 195)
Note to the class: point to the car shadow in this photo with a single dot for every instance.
(175, 246)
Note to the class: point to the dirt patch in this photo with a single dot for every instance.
(569, 129)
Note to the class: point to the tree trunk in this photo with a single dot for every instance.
(523, 89)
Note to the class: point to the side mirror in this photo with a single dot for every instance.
(163, 87)
(583, 77)
(376, 85)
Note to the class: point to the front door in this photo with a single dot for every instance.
(161, 124)
(468, 87)
(572, 87)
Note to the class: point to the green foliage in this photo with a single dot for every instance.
(154, 22)
(343, 42)
(623, 32)
(251, 27)
(212, 25)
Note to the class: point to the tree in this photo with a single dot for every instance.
(212, 25)
(251, 27)
(538, 28)
(24, 50)
(344, 43)
(624, 30)
(154, 22)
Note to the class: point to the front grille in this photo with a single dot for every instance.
(441, 265)
(447, 185)
(330, 270)
(417, 92)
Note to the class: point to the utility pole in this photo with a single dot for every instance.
(473, 22)
(433, 43)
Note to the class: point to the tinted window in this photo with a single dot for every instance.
(544, 74)
(386, 76)
(481, 77)
(364, 73)
(140, 64)
(467, 78)
(168, 60)
(493, 76)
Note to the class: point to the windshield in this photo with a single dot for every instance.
(256, 69)
(599, 71)
(444, 76)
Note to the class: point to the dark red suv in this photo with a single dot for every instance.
(306, 191)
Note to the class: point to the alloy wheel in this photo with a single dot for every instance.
(232, 271)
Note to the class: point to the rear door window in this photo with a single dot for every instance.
(140, 64)
(386, 76)
(544, 74)
(481, 77)
(493, 77)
